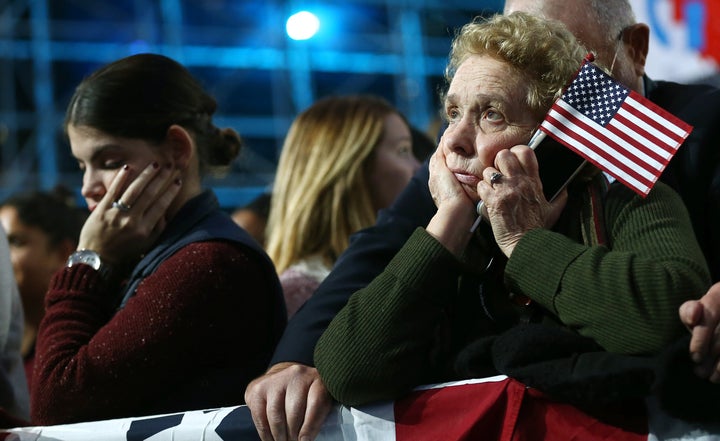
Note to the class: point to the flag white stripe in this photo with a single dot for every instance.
(590, 153)
(642, 156)
(672, 143)
(667, 124)
(640, 139)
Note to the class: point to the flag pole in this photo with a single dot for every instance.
(535, 141)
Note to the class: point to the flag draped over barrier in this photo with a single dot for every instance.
(615, 128)
(495, 408)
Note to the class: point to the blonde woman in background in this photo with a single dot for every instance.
(344, 159)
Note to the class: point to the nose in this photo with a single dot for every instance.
(92, 188)
(459, 137)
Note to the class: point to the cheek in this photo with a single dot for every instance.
(489, 146)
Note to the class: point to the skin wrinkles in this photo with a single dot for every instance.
(486, 113)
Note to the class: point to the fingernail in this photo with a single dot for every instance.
(126, 167)
(696, 357)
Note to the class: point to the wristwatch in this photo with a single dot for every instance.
(88, 257)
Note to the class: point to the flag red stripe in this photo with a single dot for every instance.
(622, 132)
(682, 128)
(597, 130)
(638, 182)
(661, 133)
(618, 155)
(661, 151)
(664, 137)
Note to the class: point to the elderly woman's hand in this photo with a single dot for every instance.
(515, 202)
(129, 218)
(456, 210)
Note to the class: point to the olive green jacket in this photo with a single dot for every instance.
(407, 326)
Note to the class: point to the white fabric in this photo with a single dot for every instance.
(366, 423)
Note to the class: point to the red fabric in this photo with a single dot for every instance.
(203, 310)
(28, 363)
(507, 411)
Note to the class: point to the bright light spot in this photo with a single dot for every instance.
(302, 26)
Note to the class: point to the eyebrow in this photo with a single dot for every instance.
(496, 100)
(100, 150)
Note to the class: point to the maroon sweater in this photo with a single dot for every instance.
(194, 334)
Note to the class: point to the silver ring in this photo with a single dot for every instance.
(495, 177)
(121, 206)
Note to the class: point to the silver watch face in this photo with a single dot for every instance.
(88, 257)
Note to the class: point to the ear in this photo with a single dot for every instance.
(180, 144)
(636, 39)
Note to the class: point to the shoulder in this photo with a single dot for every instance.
(677, 95)
(216, 258)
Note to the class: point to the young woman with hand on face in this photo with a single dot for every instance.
(167, 305)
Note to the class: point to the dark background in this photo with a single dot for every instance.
(238, 49)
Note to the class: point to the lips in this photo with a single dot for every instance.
(465, 178)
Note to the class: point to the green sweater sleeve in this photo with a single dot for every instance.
(625, 296)
(381, 343)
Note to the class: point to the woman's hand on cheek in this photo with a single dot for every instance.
(456, 211)
(446, 191)
(515, 202)
(120, 233)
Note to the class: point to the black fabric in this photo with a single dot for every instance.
(679, 391)
(694, 171)
(574, 369)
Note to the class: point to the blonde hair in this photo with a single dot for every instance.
(542, 51)
(321, 193)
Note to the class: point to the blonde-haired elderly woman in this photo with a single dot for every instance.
(599, 266)
(344, 159)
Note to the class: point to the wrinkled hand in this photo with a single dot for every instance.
(444, 187)
(702, 318)
(289, 402)
(515, 203)
(456, 210)
(122, 236)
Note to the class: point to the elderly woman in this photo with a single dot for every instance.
(598, 263)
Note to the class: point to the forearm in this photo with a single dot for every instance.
(382, 343)
(76, 310)
(625, 297)
(171, 336)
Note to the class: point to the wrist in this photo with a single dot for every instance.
(92, 259)
(452, 229)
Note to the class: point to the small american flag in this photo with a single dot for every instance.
(615, 128)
